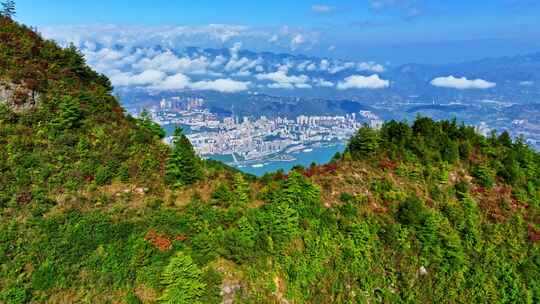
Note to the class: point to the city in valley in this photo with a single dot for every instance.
(251, 141)
(255, 140)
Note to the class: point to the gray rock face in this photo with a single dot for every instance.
(18, 97)
(228, 292)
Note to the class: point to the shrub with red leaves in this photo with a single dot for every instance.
(534, 234)
(479, 190)
(159, 240)
(330, 168)
(387, 164)
(181, 237)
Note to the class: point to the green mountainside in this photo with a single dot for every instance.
(94, 208)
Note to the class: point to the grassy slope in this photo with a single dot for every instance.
(78, 225)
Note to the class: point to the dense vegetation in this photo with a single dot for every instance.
(95, 209)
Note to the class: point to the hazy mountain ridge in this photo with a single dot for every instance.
(516, 77)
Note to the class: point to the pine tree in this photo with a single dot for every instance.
(184, 166)
(69, 114)
(364, 143)
(241, 190)
(145, 121)
(8, 9)
(182, 281)
(450, 150)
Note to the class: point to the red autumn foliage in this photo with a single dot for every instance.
(534, 234)
(313, 170)
(159, 240)
(181, 237)
(499, 202)
(118, 110)
(319, 170)
(387, 164)
(479, 190)
(330, 168)
(280, 176)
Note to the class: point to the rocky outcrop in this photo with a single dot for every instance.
(18, 97)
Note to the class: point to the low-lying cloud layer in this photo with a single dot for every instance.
(283, 38)
(363, 82)
(163, 58)
(462, 83)
(159, 81)
(225, 70)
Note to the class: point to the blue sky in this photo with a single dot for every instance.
(432, 30)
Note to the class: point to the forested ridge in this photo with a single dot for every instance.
(94, 208)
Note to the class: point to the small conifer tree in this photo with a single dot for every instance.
(145, 121)
(364, 143)
(241, 189)
(69, 114)
(184, 166)
(8, 9)
(182, 281)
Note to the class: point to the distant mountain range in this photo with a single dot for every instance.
(516, 79)
(509, 79)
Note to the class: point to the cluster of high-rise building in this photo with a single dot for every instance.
(249, 138)
(257, 139)
(181, 104)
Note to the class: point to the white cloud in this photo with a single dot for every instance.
(462, 83)
(172, 83)
(221, 85)
(322, 9)
(243, 73)
(311, 67)
(158, 69)
(277, 85)
(218, 62)
(370, 66)
(92, 37)
(336, 66)
(297, 40)
(166, 36)
(273, 39)
(236, 48)
(157, 57)
(159, 81)
(182, 82)
(282, 79)
(145, 78)
(325, 65)
(303, 65)
(303, 86)
(323, 83)
(409, 8)
(235, 63)
(341, 67)
(243, 64)
(169, 62)
(107, 59)
(363, 82)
